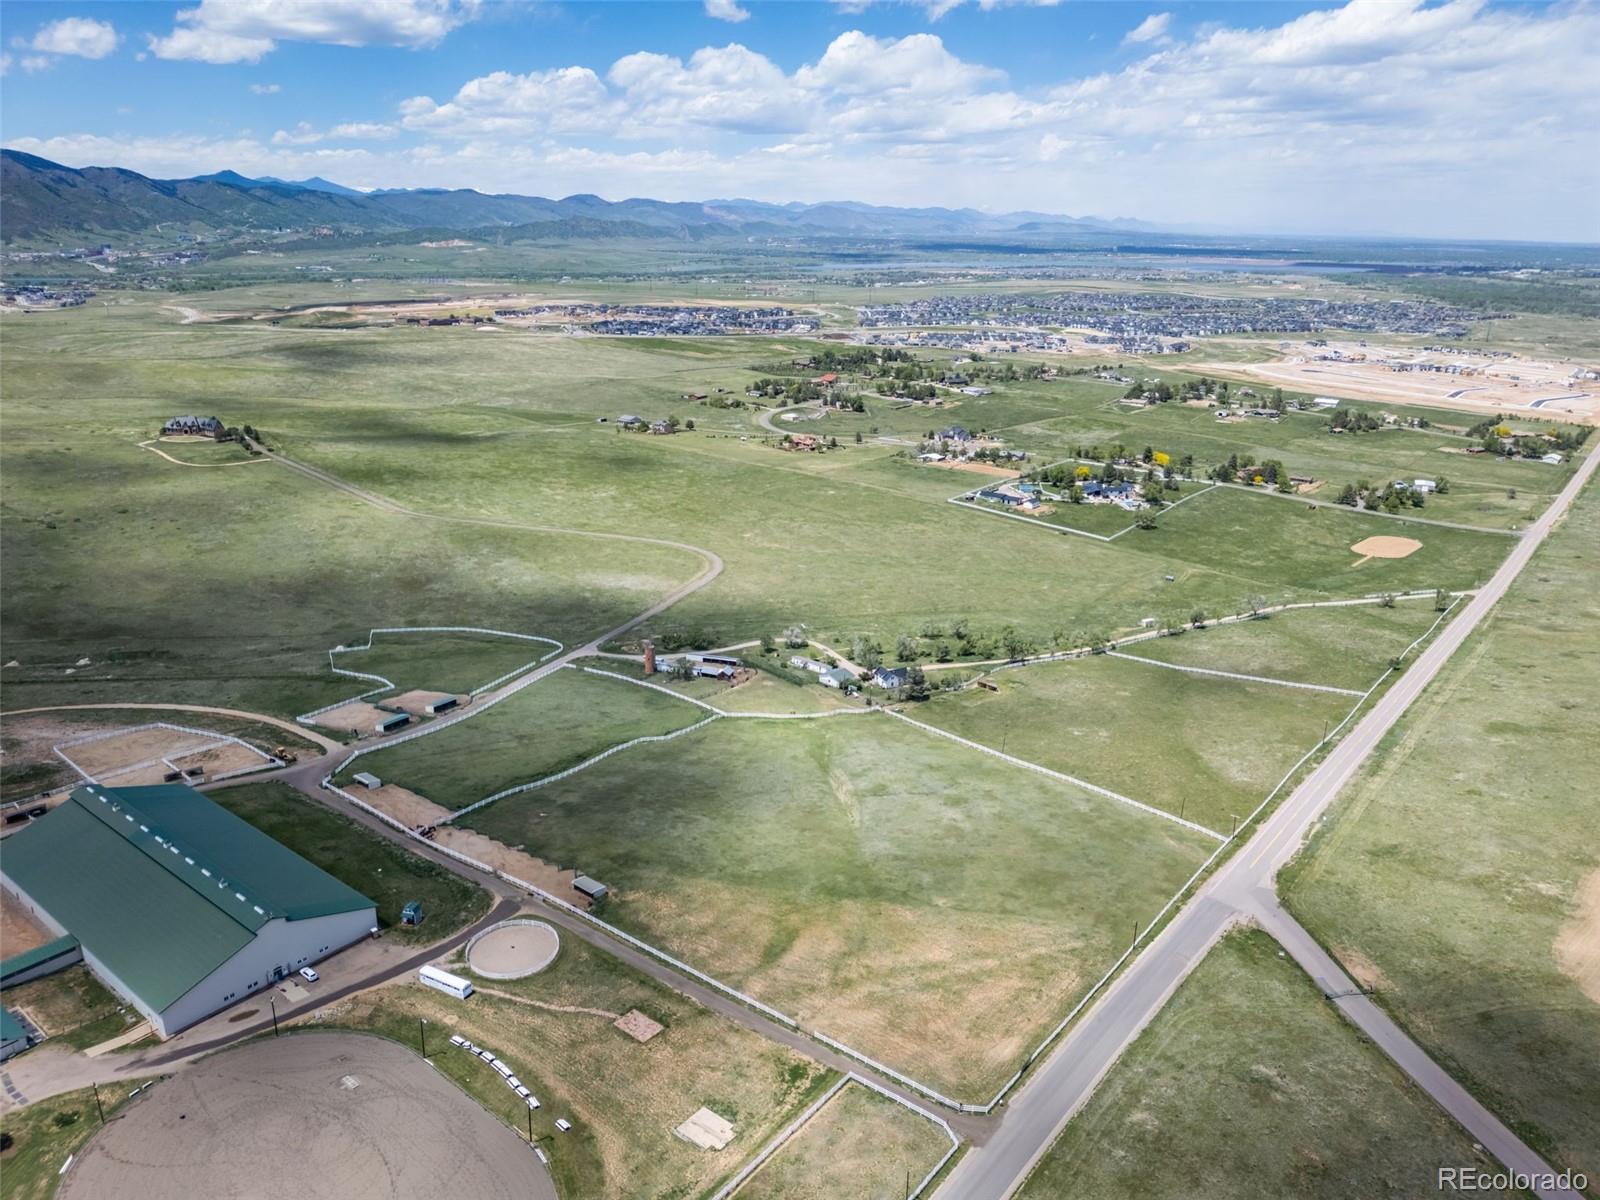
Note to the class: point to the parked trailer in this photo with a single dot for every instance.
(443, 981)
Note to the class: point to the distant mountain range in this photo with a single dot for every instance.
(44, 203)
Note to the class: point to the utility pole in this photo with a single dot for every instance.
(530, 1127)
(97, 1103)
(273, 1006)
(422, 1031)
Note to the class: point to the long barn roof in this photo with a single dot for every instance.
(161, 885)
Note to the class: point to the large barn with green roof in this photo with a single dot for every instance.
(178, 904)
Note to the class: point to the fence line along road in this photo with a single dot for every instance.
(1064, 778)
(1288, 683)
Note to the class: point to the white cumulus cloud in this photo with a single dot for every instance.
(226, 31)
(727, 10)
(81, 36)
(266, 89)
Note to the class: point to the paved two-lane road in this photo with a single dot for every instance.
(1243, 888)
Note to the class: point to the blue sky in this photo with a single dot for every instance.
(1454, 119)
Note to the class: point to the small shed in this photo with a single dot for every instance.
(367, 779)
(392, 722)
(443, 704)
(591, 888)
(412, 913)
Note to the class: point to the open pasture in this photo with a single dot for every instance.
(558, 1032)
(1459, 874)
(456, 663)
(387, 410)
(1203, 748)
(549, 725)
(1347, 646)
(936, 909)
(230, 586)
(1248, 1045)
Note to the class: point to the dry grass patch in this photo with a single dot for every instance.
(623, 1097)
(860, 1145)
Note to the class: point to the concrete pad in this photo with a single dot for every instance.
(706, 1130)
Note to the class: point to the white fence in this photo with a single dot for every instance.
(217, 739)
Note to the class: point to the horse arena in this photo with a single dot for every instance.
(320, 1116)
(513, 949)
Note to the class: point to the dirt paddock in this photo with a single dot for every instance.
(413, 810)
(1385, 546)
(327, 1116)
(416, 702)
(356, 717)
(20, 930)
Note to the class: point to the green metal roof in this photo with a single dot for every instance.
(39, 954)
(10, 1028)
(163, 886)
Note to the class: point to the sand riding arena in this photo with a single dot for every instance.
(329, 1116)
(513, 949)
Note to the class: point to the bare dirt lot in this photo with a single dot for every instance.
(977, 468)
(413, 810)
(416, 703)
(110, 755)
(356, 717)
(1383, 546)
(220, 760)
(1458, 379)
(19, 930)
(315, 1115)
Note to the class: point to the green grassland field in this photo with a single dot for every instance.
(548, 726)
(1250, 1085)
(1459, 876)
(933, 908)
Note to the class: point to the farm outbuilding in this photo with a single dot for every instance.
(591, 888)
(177, 904)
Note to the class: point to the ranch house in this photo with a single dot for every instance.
(210, 427)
